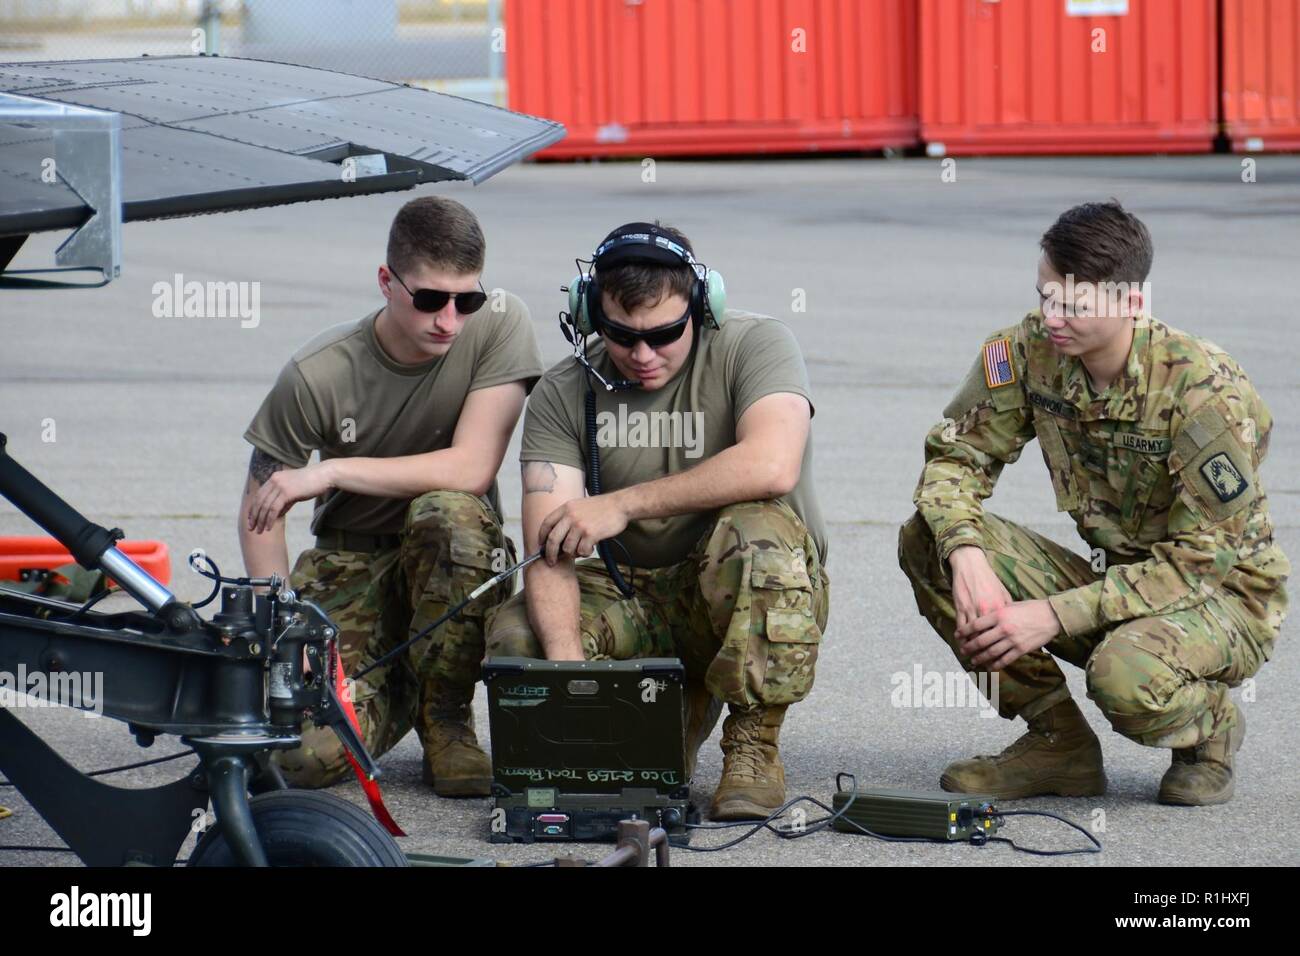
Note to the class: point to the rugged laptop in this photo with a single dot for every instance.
(579, 745)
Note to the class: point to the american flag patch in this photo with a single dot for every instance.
(997, 363)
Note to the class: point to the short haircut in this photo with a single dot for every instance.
(438, 231)
(637, 284)
(1099, 242)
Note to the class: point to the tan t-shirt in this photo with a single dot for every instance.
(647, 435)
(343, 395)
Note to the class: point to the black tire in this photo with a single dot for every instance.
(307, 828)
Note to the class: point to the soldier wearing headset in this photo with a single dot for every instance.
(681, 441)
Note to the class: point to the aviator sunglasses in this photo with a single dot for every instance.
(433, 300)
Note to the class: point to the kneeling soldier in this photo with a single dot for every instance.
(1153, 439)
(706, 463)
(411, 409)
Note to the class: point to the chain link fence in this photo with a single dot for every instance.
(452, 45)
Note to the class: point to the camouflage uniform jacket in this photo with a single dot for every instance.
(1159, 472)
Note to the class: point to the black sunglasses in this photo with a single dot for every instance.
(434, 300)
(656, 338)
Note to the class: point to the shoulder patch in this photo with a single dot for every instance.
(998, 370)
(1223, 476)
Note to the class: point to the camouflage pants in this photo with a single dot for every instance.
(1161, 681)
(378, 600)
(745, 612)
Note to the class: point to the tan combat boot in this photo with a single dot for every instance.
(1201, 776)
(753, 780)
(1059, 755)
(454, 764)
(702, 713)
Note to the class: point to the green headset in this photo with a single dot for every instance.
(648, 243)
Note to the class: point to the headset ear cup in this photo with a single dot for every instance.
(698, 314)
(716, 297)
(578, 305)
(592, 313)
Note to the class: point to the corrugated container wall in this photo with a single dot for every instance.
(663, 77)
(1036, 76)
(1261, 74)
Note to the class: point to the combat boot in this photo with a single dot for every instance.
(753, 780)
(454, 764)
(1058, 755)
(702, 713)
(1201, 776)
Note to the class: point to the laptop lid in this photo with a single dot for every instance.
(586, 727)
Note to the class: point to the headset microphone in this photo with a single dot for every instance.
(579, 344)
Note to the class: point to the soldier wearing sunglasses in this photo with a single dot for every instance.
(411, 409)
(702, 422)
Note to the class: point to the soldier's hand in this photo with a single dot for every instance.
(282, 491)
(976, 588)
(577, 526)
(992, 641)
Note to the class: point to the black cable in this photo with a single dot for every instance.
(90, 603)
(812, 826)
(999, 814)
(215, 577)
(381, 661)
(473, 596)
(754, 827)
(124, 767)
(143, 763)
(790, 833)
(594, 489)
(218, 579)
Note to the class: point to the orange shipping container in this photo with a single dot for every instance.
(1261, 74)
(1067, 76)
(662, 77)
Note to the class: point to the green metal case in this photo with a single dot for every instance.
(935, 815)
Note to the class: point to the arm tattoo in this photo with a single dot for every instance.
(262, 466)
(539, 476)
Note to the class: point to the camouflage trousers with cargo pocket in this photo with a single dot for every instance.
(380, 599)
(745, 611)
(1161, 681)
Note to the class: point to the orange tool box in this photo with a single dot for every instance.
(20, 553)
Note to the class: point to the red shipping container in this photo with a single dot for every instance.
(1261, 74)
(674, 77)
(1037, 76)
